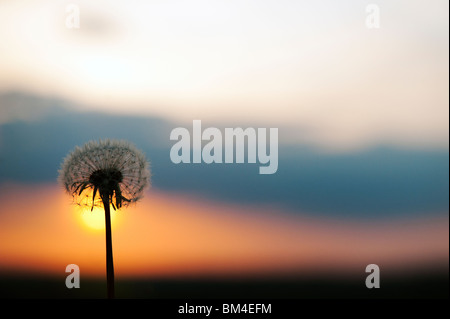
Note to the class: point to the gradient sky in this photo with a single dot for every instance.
(363, 118)
(375, 183)
(174, 235)
(311, 65)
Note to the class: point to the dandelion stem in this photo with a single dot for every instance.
(109, 253)
(115, 170)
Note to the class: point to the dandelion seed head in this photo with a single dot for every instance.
(107, 170)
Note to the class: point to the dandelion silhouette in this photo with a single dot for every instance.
(104, 173)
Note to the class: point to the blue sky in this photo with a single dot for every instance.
(362, 113)
(375, 183)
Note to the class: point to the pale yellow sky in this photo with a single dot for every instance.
(312, 65)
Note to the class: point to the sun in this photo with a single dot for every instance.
(95, 219)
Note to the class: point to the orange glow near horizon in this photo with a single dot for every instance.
(93, 216)
(95, 219)
(168, 234)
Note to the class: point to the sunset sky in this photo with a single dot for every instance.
(363, 119)
(173, 235)
(309, 65)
